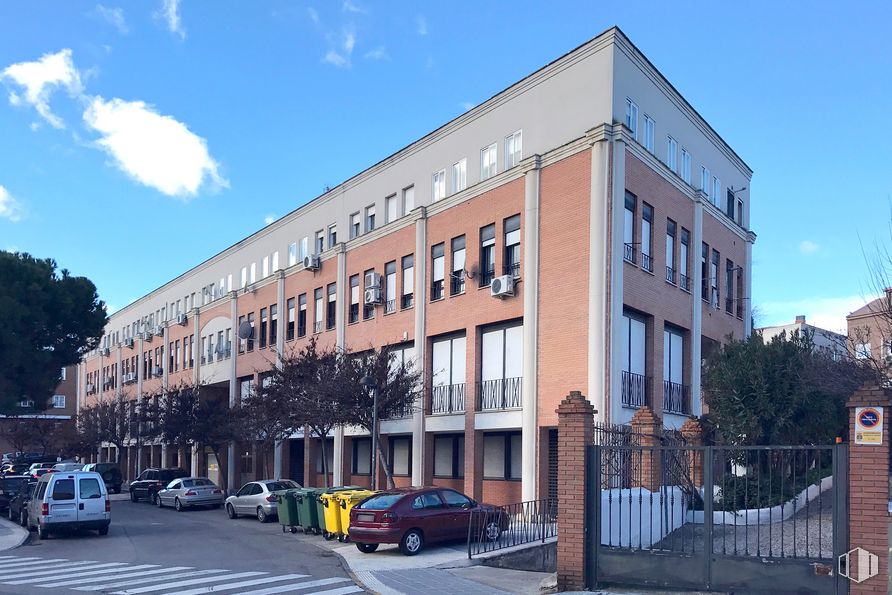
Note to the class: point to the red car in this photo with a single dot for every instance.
(413, 517)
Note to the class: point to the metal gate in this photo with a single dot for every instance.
(743, 519)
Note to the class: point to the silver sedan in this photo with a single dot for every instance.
(187, 492)
(258, 498)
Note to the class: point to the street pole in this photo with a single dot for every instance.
(374, 438)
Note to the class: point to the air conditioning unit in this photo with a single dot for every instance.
(372, 296)
(147, 337)
(181, 319)
(91, 389)
(128, 342)
(129, 378)
(159, 330)
(373, 279)
(158, 371)
(502, 287)
(105, 352)
(312, 262)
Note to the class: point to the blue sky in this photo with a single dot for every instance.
(153, 134)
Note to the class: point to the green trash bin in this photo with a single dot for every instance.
(320, 509)
(307, 509)
(287, 510)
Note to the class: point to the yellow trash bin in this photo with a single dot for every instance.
(331, 511)
(346, 501)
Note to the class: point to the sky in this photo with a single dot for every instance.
(137, 139)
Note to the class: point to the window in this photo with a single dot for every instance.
(714, 280)
(273, 324)
(487, 254)
(302, 315)
(332, 235)
(672, 154)
(390, 209)
(862, 350)
(632, 345)
(704, 272)
(460, 175)
(320, 241)
(390, 287)
(59, 401)
(501, 368)
(244, 282)
(649, 126)
(355, 226)
(684, 280)
(438, 264)
(716, 192)
(513, 149)
(228, 288)
(729, 286)
(179, 356)
(362, 456)
(329, 456)
(670, 250)
(448, 375)
(354, 299)
(408, 199)
(705, 180)
(245, 387)
(629, 228)
(729, 205)
(264, 267)
(317, 310)
(428, 500)
(253, 276)
(241, 342)
(674, 392)
(401, 455)
(370, 218)
(511, 265)
(263, 326)
(63, 489)
(253, 332)
(331, 313)
(740, 212)
(289, 328)
(488, 161)
(408, 265)
(304, 247)
(501, 455)
(647, 217)
(191, 351)
(632, 117)
(449, 456)
(368, 310)
(274, 263)
(63, 374)
(739, 292)
(89, 488)
(439, 185)
(457, 278)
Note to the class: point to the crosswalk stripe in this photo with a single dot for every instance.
(150, 579)
(296, 586)
(188, 583)
(113, 570)
(257, 581)
(6, 557)
(141, 573)
(340, 591)
(22, 559)
(18, 564)
(58, 569)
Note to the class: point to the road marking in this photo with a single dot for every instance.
(22, 559)
(259, 581)
(188, 583)
(341, 591)
(60, 569)
(295, 587)
(117, 568)
(94, 579)
(18, 564)
(151, 579)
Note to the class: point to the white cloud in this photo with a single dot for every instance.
(10, 208)
(335, 59)
(269, 219)
(170, 12)
(466, 105)
(115, 17)
(342, 59)
(349, 41)
(827, 313)
(379, 53)
(40, 79)
(153, 149)
(348, 6)
(421, 25)
(808, 247)
(314, 16)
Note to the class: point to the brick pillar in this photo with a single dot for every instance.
(576, 430)
(869, 492)
(646, 470)
(692, 432)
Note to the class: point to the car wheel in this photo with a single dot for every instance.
(103, 531)
(133, 497)
(158, 502)
(177, 505)
(492, 531)
(367, 548)
(261, 516)
(412, 542)
(9, 513)
(230, 511)
(23, 519)
(42, 533)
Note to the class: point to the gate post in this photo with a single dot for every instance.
(647, 470)
(692, 432)
(576, 418)
(868, 491)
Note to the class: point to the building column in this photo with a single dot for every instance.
(697, 308)
(118, 376)
(196, 378)
(280, 347)
(748, 286)
(616, 270)
(337, 456)
(165, 386)
(597, 284)
(139, 359)
(419, 342)
(231, 484)
(530, 411)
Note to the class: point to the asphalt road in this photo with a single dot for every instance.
(161, 551)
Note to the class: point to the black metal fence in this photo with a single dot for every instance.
(511, 525)
(502, 393)
(448, 398)
(634, 389)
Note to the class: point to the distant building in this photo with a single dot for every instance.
(60, 409)
(835, 343)
(870, 328)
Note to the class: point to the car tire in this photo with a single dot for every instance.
(103, 531)
(9, 513)
(367, 548)
(412, 542)
(42, 533)
(261, 516)
(177, 506)
(23, 519)
(230, 512)
(133, 496)
(158, 502)
(492, 531)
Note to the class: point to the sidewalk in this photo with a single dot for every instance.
(11, 535)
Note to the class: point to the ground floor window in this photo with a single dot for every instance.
(501, 455)
(401, 455)
(362, 456)
(329, 456)
(449, 455)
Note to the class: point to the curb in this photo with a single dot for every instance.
(18, 537)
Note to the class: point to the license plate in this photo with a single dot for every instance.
(366, 517)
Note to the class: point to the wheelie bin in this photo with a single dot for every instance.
(329, 518)
(346, 501)
(287, 510)
(306, 509)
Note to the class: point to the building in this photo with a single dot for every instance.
(834, 343)
(37, 430)
(870, 329)
(583, 229)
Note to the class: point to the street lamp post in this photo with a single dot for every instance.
(369, 383)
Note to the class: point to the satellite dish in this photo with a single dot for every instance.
(245, 330)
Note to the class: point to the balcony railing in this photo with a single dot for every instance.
(456, 283)
(684, 282)
(486, 277)
(402, 412)
(501, 393)
(647, 262)
(407, 300)
(629, 253)
(512, 268)
(317, 326)
(670, 275)
(676, 398)
(448, 398)
(634, 389)
(436, 289)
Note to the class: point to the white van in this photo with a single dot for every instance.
(75, 500)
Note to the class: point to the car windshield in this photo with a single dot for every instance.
(381, 501)
(275, 486)
(199, 482)
(13, 484)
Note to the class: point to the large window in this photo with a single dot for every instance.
(331, 312)
(273, 324)
(457, 278)
(292, 254)
(705, 180)
(317, 310)
(487, 254)
(686, 166)
(684, 280)
(362, 456)
(649, 129)
(511, 265)
(460, 175)
(716, 192)
(670, 250)
(439, 185)
(401, 455)
(729, 286)
(513, 149)
(391, 210)
(634, 376)
(289, 329)
(704, 272)
(488, 161)
(264, 323)
(354, 299)
(502, 455)
(672, 154)
(438, 266)
(408, 199)
(253, 332)
(632, 117)
(448, 375)
(714, 280)
(629, 227)
(674, 391)
(501, 368)
(390, 287)
(304, 247)
(449, 456)
(302, 315)
(368, 310)
(408, 265)
(647, 218)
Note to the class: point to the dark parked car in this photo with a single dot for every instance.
(18, 511)
(152, 481)
(9, 487)
(111, 475)
(15, 469)
(413, 517)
